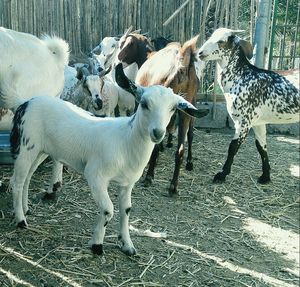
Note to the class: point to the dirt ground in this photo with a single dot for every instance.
(238, 233)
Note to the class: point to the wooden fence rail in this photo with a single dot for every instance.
(83, 23)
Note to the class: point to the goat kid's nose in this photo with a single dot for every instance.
(158, 134)
(99, 102)
(201, 55)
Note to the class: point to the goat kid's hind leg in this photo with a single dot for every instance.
(238, 139)
(22, 168)
(124, 210)
(40, 158)
(261, 145)
(56, 181)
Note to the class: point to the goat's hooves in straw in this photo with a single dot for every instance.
(173, 192)
(22, 224)
(49, 196)
(147, 181)
(264, 180)
(129, 251)
(219, 178)
(97, 249)
(189, 166)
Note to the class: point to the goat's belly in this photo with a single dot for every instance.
(75, 164)
(276, 118)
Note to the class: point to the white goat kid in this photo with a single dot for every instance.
(103, 149)
(93, 93)
(104, 94)
(254, 97)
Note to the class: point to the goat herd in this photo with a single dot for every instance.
(155, 83)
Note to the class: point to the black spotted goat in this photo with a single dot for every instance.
(254, 97)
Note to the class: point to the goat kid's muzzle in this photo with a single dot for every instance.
(157, 135)
(98, 104)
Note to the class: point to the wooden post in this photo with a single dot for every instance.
(262, 23)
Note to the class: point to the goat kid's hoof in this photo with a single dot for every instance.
(129, 251)
(22, 224)
(189, 166)
(219, 178)
(173, 192)
(147, 181)
(264, 180)
(97, 249)
(28, 212)
(49, 196)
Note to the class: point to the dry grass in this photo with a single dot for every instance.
(210, 240)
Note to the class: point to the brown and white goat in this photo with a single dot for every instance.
(174, 67)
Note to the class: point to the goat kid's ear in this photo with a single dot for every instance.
(189, 109)
(127, 84)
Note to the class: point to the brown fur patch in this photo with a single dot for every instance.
(3, 112)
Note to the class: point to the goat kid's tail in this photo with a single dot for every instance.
(10, 99)
(59, 48)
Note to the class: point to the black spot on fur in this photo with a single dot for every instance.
(127, 210)
(49, 196)
(106, 212)
(17, 130)
(56, 186)
(21, 224)
(97, 249)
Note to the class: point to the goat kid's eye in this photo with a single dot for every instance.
(174, 109)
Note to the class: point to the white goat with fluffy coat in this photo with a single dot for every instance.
(29, 67)
(33, 66)
(254, 97)
(103, 149)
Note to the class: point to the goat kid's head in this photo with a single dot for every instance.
(157, 104)
(105, 52)
(134, 48)
(93, 84)
(221, 43)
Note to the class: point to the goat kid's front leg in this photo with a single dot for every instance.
(124, 210)
(99, 192)
(152, 163)
(190, 136)
(183, 127)
(56, 181)
(238, 139)
(261, 145)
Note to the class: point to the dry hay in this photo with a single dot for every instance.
(234, 234)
